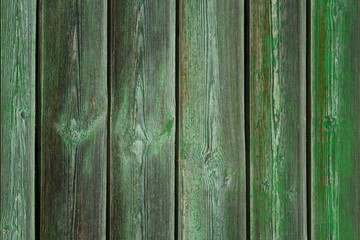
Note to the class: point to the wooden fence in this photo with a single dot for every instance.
(180, 119)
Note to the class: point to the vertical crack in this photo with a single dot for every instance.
(37, 123)
(177, 95)
(247, 110)
(308, 116)
(108, 140)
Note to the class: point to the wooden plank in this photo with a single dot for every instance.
(18, 33)
(335, 119)
(142, 119)
(73, 75)
(212, 176)
(277, 119)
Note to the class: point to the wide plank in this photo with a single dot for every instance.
(277, 119)
(73, 106)
(17, 158)
(335, 119)
(142, 119)
(212, 173)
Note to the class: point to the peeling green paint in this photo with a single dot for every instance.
(335, 91)
(277, 119)
(211, 140)
(18, 22)
(142, 120)
(73, 115)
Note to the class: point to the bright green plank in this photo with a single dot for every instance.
(335, 119)
(212, 184)
(142, 119)
(18, 23)
(277, 119)
(73, 75)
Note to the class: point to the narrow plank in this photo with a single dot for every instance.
(142, 121)
(335, 119)
(73, 75)
(212, 174)
(277, 119)
(18, 33)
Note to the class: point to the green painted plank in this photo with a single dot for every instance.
(73, 76)
(142, 121)
(335, 119)
(18, 33)
(212, 175)
(277, 119)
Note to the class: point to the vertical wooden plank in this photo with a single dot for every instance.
(335, 119)
(277, 119)
(18, 23)
(212, 184)
(142, 119)
(73, 75)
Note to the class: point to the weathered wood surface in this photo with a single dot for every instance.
(335, 119)
(73, 78)
(277, 119)
(142, 120)
(18, 23)
(212, 183)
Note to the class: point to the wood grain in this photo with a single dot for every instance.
(277, 119)
(212, 184)
(18, 23)
(142, 119)
(73, 78)
(335, 119)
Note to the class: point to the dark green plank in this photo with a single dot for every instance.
(212, 184)
(18, 23)
(335, 119)
(277, 119)
(73, 75)
(142, 119)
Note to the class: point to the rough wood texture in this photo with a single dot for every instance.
(277, 119)
(212, 184)
(335, 119)
(142, 119)
(18, 23)
(73, 75)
